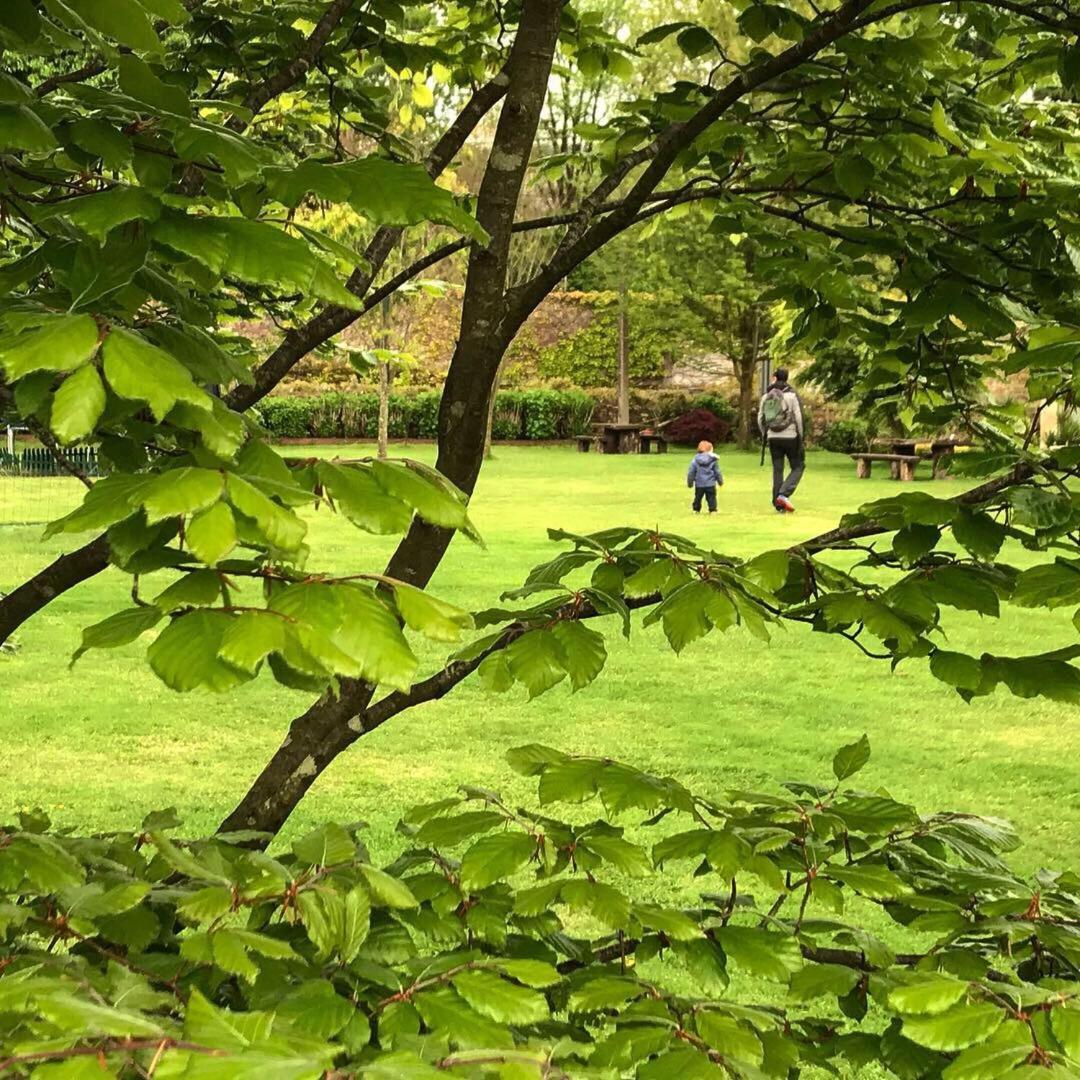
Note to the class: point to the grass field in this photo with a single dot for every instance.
(100, 745)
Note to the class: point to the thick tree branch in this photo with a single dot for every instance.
(298, 67)
(59, 576)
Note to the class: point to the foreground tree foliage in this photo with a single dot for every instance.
(907, 174)
(509, 942)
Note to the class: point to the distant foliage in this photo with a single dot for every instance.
(590, 357)
(845, 437)
(521, 942)
(698, 424)
(525, 414)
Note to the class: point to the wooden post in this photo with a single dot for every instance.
(862, 468)
(624, 356)
(384, 385)
(894, 469)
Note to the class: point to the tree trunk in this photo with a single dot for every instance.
(624, 357)
(745, 372)
(488, 326)
(488, 434)
(385, 376)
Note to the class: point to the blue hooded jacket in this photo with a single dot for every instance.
(704, 471)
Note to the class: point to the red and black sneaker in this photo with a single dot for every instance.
(784, 504)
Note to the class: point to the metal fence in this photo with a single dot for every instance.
(39, 461)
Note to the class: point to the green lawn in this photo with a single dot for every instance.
(100, 745)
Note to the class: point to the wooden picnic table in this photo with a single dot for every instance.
(906, 448)
(620, 438)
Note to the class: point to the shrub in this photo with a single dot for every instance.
(698, 424)
(519, 414)
(508, 419)
(520, 942)
(845, 437)
(719, 406)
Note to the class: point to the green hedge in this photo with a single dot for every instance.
(519, 414)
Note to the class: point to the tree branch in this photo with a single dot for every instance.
(294, 71)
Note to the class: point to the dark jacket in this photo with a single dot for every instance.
(704, 471)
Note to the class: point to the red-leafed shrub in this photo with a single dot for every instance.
(698, 424)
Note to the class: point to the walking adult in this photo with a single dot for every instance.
(780, 417)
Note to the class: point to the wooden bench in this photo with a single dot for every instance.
(901, 466)
(584, 443)
(646, 440)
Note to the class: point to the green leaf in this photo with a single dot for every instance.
(387, 891)
(944, 128)
(877, 882)
(100, 213)
(222, 1029)
(499, 1000)
(1065, 1021)
(535, 973)
(672, 924)
(432, 497)
(109, 501)
(1053, 585)
(854, 175)
(22, 130)
(281, 527)
(315, 1009)
(584, 653)
(957, 1029)
(185, 654)
(140, 371)
(928, 994)
(624, 856)
(732, 1039)
(208, 904)
(820, 980)
(430, 616)
(956, 669)
(1008, 1047)
(495, 858)
(328, 845)
(87, 1017)
(120, 629)
(383, 191)
(706, 963)
(211, 534)
(250, 638)
(850, 759)
(253, 251)
(979, 533)
(370, 633)
(182, 491)
(760, 952)
(138, 80)
(123, 20)
(363, 500)
(44, 862)
(537, 660)
(58, 343)
(78, 405)
(912, 542)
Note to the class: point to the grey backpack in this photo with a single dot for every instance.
(775, 412)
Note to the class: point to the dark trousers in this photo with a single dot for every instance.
(709, 495)
(791, 451)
